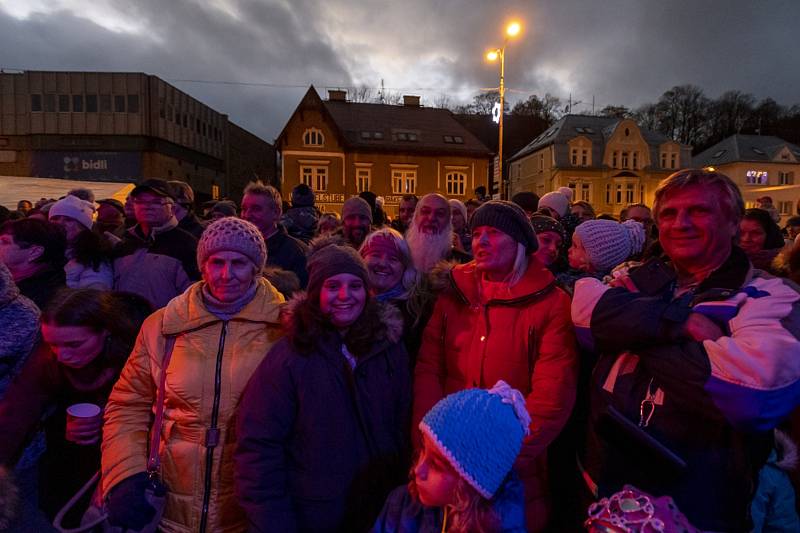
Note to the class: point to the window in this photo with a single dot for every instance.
(585, 157)
(119, 104)
(36, 103)
(614, 160)
(718, 153)
(50, 103)
(313, 137)
(456, 183)
(785, 178)
(133, 103)
(756, 177)
(630, 193)
(448, 138)
(458, 139)
(105, 103)
(608, 194)
(377, 135)
(412, 136)
(186, 120)
(363, 176)
(402, 136)
(635, 160)
(673, 160)
(618, 198)
(404, 181)
(315, 177)
(581, 191)
(91, 103)
(366, 134)
(758, 151)
(574, 156)
(63, 103)
(663, 159)
(785, 207)
(624, 159)
(77, 103)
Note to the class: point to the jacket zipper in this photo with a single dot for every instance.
(485, 341)
(212, 434)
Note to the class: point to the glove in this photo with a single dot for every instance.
(127, 505)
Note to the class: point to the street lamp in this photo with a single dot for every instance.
(512, 30)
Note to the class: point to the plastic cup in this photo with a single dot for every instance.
(83, 410)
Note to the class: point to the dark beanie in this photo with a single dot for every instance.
(302, 196)
(542, 223)
(329, 259)
(508, 218)
(527, 200)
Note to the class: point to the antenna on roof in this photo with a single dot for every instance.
(380, 94)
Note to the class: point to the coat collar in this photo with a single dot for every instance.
(536, 281)
(187, 311)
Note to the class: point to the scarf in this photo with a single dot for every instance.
(227, 310)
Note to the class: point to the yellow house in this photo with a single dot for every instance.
(761, 165)
(608, 162)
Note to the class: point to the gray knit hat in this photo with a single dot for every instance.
(356, 206)
(609, 243)
(232, 234)
(327, 257)
(508, 218)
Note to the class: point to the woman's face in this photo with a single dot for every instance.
(494, 251)
(751, 236)
(342, 299)
(458, 220)
(71, 226)
(549, 246)
(385, 270)
(228, 275)
(74, 346)
(435, 478)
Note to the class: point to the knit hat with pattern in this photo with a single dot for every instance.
(73, 207)
(232, 234)
(508, 218)
(543, 223)
(329, 256)
(480, 433)
(609, 243)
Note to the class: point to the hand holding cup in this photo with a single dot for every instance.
(84, 424)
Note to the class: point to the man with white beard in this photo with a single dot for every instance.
(430, 235)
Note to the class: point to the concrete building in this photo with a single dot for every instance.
(761, 165)
(609, 162)
(342, 148)
(117, 126)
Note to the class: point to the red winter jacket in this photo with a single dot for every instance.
(521, 334)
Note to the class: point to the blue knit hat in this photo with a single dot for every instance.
(480, 432)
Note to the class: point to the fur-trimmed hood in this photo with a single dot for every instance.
(388, 316)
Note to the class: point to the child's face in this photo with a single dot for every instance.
(435, 478)
(578, 258)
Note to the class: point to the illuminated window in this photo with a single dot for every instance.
(315, 177)
(404, 181)
(456, 183)
(313, 137)
(756, 177)
(363, 177)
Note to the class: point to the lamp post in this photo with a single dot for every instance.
(512, 30)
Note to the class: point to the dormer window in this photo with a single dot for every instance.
(313, 137)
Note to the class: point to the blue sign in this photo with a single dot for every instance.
(91, 166)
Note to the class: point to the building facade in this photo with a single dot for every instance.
(761, 165)
(110, 126)
(341, 148)
(608, 162)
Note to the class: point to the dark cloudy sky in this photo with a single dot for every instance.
(619, 51)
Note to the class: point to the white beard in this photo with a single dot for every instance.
(427, 250)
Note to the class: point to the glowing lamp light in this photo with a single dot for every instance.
(491, 55)
(513, 29)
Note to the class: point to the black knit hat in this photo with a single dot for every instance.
(508, 218)
(327, 258)
(302, 196)
(529, 201)
(543, 223)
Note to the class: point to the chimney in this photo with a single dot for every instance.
(337, 95)
(410, 101)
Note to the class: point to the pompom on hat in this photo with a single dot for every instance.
(73, 207)
(480, 432)
(232, 234)
(608, 243)
(302, 196)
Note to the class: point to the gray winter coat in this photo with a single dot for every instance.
(19, 322)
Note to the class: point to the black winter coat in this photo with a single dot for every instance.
(320, 445)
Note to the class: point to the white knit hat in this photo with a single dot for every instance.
(556, 201)
(609, 243)
(73, 207)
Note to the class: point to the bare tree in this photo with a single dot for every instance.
(442, 101)
(362, 94)
(548, 108)
(616, 111)
(681, 113)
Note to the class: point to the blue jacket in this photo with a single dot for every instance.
(712, 404)
(404, 514)
(321, 444)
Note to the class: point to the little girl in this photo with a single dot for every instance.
(462, 481)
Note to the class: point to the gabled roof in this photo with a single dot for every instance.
(756, 148)
(400, 128)
(596, 129)
(518, 130)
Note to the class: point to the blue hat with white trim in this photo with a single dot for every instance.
(480, 433)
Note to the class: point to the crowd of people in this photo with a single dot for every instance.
(525, 365)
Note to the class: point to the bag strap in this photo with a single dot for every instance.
(58, 521)
(154, 460)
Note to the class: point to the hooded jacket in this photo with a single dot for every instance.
(211, 363)
(321, 444)
(521, 334)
